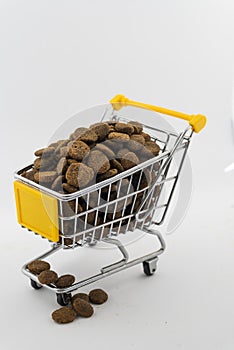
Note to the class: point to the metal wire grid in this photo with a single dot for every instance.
(105, 216)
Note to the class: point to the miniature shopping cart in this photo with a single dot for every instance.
(44, 211)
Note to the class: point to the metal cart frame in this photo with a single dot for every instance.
(65, 225)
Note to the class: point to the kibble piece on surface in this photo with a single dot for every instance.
(64, 315)
(37, 266)
(65, 281)
(82, 307)
(83, 296)
(47, 277)
(98, 296)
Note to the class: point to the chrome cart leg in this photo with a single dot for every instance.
(118, 263)
(150, 265)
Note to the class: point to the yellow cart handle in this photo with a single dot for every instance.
(197, 121)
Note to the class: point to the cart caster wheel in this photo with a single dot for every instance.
(35, 285)
(150, 266)
(63, 299)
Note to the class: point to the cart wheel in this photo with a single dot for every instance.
(35, 285)
(150, 266)
(63, 299)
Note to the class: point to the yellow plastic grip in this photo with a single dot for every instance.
(197, 121)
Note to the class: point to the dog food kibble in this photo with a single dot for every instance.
(137, 127)
(47, 277)
(90, 156)
(126, 128)
(78, 150)
(82, 307)
(79, 175)
(37, 266)
(129, 160)
(64, 315)
(45, 176)
(83, 296)
(101, 129)
(98, 161)
(119, 135)
(98, 296)
(65, 281)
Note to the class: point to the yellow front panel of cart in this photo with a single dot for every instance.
(37, 211)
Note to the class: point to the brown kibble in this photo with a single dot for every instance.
(77, 133)
(137, 127)
(88, 136)
(64, 315)
(83, 296)
(101, 129)
(82, 307)
(79, 175)
(129, 160)
(67, 241)
(37, 163)
(116, 165)
(69, 188)
(98, 296)
(106, 150)
(136, 143)
(29, 175)
(146, 136)
(63, 151)
(61, 166)
(108, 174)
(37, 266)
(65, 281)
(45, 176)
(47, 277)
(152, 147)
(44, 151)
(119, 136)
(125, 128)
(57, 184)
(98, 161)
(78, 150)
(121, 153)
(70, 161)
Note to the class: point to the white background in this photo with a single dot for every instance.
(58, 57)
